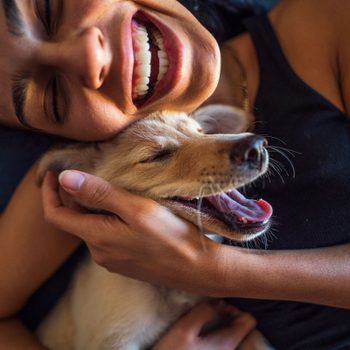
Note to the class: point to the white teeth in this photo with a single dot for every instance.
(143, 70)
(143, 81)
(159, 40)
(162, 70)
(143, 57)
(162, 56)
(142, 60)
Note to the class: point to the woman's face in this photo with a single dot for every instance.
(85, 69)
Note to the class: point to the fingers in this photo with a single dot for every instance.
(50, 190)
(83, 225)
(197, 317)
(184, 334)
(93, 191)
(136, 211)
(98, 193)
(230, 337)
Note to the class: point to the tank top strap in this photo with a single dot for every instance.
(267, 47)
(276, 73)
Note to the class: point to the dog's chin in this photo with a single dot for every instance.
(212, 214)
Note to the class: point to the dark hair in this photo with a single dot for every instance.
(223, 18)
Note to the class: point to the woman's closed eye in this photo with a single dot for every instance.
(49, 13)
(54, 101)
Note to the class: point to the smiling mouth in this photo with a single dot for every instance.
(151, 62)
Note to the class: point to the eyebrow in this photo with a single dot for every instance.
(20, 81)
(14, 18)
(15, 26)
(19, 93)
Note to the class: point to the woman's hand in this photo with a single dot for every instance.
(145, 241)
(185, 334)
(138, 237)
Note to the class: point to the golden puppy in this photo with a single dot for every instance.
(184, 164)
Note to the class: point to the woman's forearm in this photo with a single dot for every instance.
(156, 246)
(14, 336)
(320, 276)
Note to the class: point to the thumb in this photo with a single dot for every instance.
(199, 315)
(95, 192)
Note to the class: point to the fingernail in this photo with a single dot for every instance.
(71, 180)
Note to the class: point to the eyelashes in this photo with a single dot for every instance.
(55, 103)
(13, 17)
(49, 13)
(43, 13)
(19, 92)
(161, 155)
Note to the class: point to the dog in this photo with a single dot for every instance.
(183, 163)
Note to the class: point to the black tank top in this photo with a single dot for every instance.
(310, 198)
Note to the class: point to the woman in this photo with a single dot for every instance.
(321, 275)
(41, 75)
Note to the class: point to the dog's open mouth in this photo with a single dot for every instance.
(230, 214)
(232, 207)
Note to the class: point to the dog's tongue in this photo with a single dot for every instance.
(234, 203)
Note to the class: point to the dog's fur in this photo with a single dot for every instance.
(163, 156)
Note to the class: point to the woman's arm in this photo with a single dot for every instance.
(14, 336)
(31, 250)
(146, 241)
(319, 276)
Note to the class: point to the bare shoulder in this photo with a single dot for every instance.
(327, 18)
(317, 12)
(310, 33)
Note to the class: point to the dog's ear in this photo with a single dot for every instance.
(221, 119)
(76, 156)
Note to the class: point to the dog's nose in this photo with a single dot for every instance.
(249, 150)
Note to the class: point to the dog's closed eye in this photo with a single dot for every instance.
(158, 156)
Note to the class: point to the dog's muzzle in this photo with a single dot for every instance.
(250, 150)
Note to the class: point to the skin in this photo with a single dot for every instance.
(228, 338)
(92, 39)
(321, 276)
(89, 39)
(54, 248)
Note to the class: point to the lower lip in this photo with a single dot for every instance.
(175, 51)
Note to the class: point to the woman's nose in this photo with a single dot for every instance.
(85, 56)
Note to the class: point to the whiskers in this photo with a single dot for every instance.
(199, 218)
(260, 242)
(284, 166)
(207, 189)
